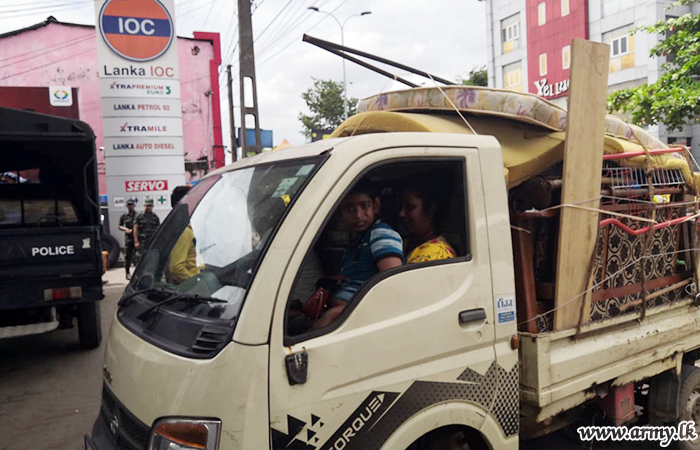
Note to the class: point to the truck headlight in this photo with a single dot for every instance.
(180, 433)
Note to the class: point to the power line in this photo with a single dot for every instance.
(204, 25)
(285, 22)
(293, 25)
(46, 9)
(294, 41)
(34, 8)
(199, 7)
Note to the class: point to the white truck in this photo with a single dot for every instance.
(456, 353)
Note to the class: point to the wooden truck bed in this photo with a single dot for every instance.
(562, 369)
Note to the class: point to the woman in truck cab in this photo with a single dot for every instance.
(419, 206)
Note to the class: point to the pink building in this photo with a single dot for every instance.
(54, 53)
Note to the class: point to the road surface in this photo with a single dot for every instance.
(49, 388)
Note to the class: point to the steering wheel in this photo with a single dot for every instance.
(237, 273)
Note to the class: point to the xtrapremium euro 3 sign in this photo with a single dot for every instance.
(138, 30)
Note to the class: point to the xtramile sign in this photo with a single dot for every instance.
(142, 126)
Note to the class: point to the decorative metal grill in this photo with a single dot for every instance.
(636, 178)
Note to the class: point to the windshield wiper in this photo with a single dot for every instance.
(125, 300)
(194, 298)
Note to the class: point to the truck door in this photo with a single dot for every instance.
(412, 338)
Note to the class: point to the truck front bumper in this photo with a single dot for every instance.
(101, 438)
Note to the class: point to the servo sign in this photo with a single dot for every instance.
(146, 185)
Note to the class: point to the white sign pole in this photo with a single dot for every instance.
(141, 109)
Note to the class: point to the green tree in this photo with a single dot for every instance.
(674, 99)
(325, 101)
(478, 76)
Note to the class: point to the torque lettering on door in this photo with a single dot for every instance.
(351, 434)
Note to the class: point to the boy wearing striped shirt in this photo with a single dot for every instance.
(378, 248)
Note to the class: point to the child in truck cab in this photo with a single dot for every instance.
(377, 248)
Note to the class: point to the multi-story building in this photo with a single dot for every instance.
(529, 47)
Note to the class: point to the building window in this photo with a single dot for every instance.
(510, 33)
(543, 64)
(512, 76)
(564, 8)
(619, 46)
(566, 57)
(686, 141)
(541, 13)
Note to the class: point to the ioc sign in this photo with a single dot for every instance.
(136, 30)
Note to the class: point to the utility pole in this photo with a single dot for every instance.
(234, 145)
(247, 72)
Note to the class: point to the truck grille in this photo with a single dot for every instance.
(131, 433)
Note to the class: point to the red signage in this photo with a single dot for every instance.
(146, 185)
(551, 25)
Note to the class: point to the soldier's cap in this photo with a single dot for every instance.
(130, 202)
(148, 202)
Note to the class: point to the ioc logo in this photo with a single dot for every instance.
(136, 30)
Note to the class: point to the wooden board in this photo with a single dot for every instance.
(583, 162)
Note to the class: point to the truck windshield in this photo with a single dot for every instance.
(203, 259)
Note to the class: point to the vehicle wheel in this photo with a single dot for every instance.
(689, 402)
(89, 326)
(109, 244)
(454, 437)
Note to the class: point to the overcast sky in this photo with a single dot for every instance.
(444, 37)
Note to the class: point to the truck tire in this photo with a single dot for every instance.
(689, 402)
(89, 326)
(109, 244)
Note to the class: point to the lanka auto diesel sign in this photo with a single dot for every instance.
(136, 30)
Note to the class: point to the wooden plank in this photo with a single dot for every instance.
(526, 299)
(581, 178)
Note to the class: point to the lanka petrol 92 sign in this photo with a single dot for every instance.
(138, 30)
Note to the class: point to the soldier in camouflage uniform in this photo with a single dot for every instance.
(145, 226)
(126, 224)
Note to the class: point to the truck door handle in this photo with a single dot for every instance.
(297, 366)
(472, 315)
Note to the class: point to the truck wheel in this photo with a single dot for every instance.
(109, 244)
(689, 400)
(89, 326)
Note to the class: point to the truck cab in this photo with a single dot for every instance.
(222, 360)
